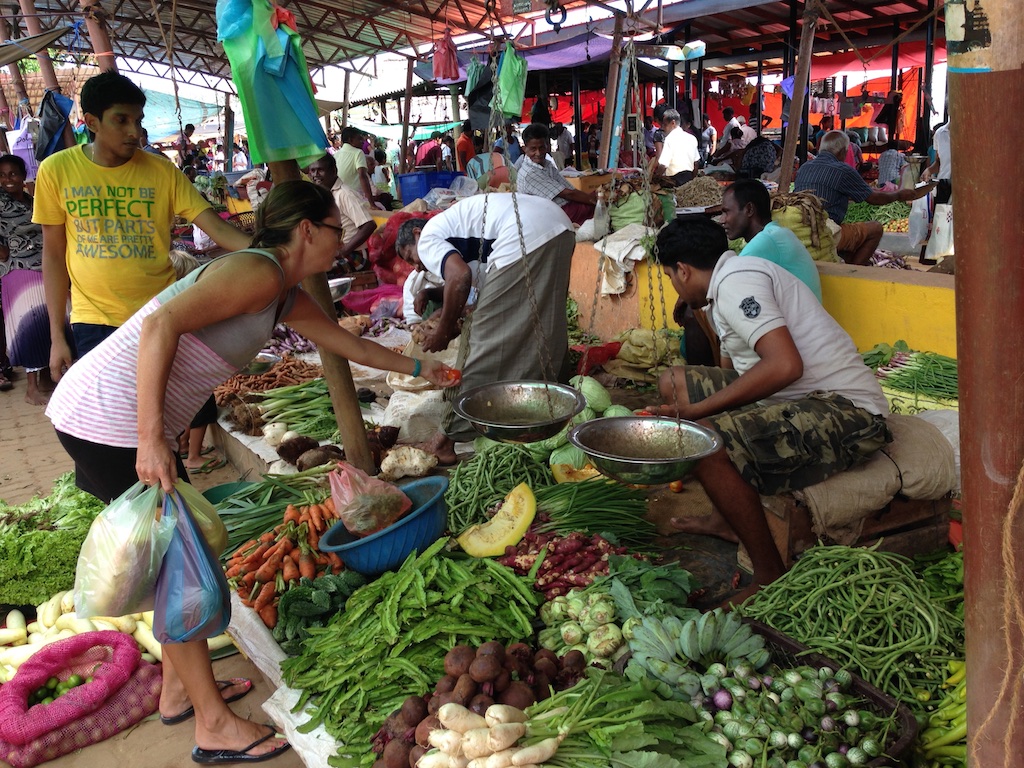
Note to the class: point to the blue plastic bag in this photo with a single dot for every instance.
(192, 597)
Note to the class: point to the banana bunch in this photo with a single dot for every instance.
(945, 740)
(676, 653)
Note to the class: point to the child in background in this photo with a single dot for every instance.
(190, 443)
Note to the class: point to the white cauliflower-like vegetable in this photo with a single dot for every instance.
(406, 461)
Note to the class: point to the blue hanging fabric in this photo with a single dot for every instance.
(53, 114)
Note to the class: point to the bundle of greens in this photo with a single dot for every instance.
(605, 721)
(312, 603)
(40, 541)
(641, 588)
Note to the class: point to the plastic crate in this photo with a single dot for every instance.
(786, 651)
(412, 186)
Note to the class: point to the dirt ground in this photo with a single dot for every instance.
(31, 458)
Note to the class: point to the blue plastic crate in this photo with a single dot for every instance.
(416, 185)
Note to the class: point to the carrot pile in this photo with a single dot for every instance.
(289, 371)
(262, 569)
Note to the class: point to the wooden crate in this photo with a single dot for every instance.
(906, 526)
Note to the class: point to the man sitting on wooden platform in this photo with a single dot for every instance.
(793, 400)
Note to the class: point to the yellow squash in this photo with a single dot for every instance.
(567, 473)
(505, 529)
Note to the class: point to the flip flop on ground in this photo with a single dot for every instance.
(209, 466)
(6, 385)
(222, 756)
(222, 685)
(205, 452)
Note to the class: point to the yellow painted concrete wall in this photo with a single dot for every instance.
(874, 305)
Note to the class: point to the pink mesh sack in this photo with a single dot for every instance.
(109, 658)
(134, 701)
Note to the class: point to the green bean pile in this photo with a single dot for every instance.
(860, 212)
(865, 609)
(486, 479)
(391, 640)
(923, 373)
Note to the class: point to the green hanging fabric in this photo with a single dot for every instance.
(511, 83)
(475, 72)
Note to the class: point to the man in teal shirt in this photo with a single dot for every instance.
(747, 214)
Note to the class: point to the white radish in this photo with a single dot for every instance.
(456, 717)
(13, 636)
(475, 742)
(15, 619)
(75, 624)
(102, 626)
(147, 618)
(36, 638)
(449, 742)
(434, 760)
(148, 657)
(50, 611)
(459, 761)
(125, 624)
(220, 641)
(144, 636)
(504, 735)
(501, 759)
(479, 762)
(503, 713)
(67, 602)
(34, 626)
(538, 753)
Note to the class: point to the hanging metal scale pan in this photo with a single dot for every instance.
(644, 450)
(519, 411)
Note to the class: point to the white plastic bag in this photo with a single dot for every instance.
(940, 244)
(122, 554)
(919, 221)
(416, 414)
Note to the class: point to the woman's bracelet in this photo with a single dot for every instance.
(417, 368)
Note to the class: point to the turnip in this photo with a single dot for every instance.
(434, 760)
(456, 717)
(538, 753)
(504, 735)
(449, 742)
(501, 759)
(475, 742)
(502, 713)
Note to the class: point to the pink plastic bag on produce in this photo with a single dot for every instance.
(365, 504)
(109, 658)
(134, 701)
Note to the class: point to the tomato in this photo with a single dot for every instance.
(454, 375)
(676, 486)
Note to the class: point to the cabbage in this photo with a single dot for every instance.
(585, 415)
(541, 449)
(568, 454)
(597, 397)
(482, 444)
(616, 410)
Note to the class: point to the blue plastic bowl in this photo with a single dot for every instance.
(218, 493)
(387, 549)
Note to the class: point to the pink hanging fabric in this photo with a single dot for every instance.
(446, 63)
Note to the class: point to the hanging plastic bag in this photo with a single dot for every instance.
(193, 601)
(940, 244)
(919, 220)
(446, 62)
(120, 559)
(206, 516)
(365, 504)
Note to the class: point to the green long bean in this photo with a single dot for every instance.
(867, 609)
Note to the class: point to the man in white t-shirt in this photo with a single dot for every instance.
(500, 231)
(680, 153)
(793, 402)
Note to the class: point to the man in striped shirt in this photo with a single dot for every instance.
(836, 183)
(536, 174)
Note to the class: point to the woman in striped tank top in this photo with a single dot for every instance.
(119, 410)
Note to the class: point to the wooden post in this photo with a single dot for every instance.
(986, 51)
(580, 150)
(45, 65)
(407, 116)
(611, 96)
(5, 122)
(96, 25)
(17, 80)
(796, 107)
(229, 133)
(341, 387)
(344, 102)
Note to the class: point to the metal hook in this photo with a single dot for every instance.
(558, 8)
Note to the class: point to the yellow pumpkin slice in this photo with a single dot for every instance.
(567, 473)
(505, 529)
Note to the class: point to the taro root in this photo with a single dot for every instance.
(290, 450)
(480, 703)
(316, 457)
(518, 695)
(458, 659)
(446, 684)
(465, 689)
(484, 669)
